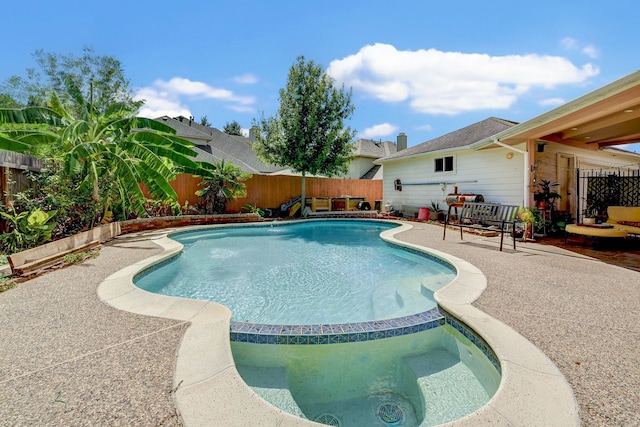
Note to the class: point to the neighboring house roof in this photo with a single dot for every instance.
(215, 145)
(373, 149)
(374, 173)
(460, 138)
(185, 128)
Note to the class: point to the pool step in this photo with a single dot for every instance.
(436, 282)
(271, 385)
(413, 298)
(433, 371)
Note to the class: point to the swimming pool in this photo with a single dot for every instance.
(417, 367)
(320, 272)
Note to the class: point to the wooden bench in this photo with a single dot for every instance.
(484, 216)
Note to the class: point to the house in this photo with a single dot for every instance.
(213, 145)
(505, 161)
(366, 151)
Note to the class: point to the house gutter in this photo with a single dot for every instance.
(526, 168)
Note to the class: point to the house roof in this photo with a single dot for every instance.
(460, 138)
(373, 149)
(215, 145)
(184, 128)
(604, 117)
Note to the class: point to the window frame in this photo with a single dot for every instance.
(443, 163)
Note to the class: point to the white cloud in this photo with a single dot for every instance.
(569, 43)
(246, 79)
(428, 128)
(591, 51)
(436, 82)
(377, 131)
(167, 97)
(551, 102)
(159, 104)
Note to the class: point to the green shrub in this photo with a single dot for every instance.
(27, 229)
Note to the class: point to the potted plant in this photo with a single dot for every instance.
(547, 194)
(527, 217)
(435, 211)
(590, 216)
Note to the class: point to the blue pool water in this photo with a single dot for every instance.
(306, 273)
(374, 349)
(430, 377)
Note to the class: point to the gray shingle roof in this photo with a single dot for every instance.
(215, 145)
(457, 139)
(184, 129)
(373, 149)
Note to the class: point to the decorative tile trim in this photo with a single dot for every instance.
(335, 333)
(471, 335)
(258, 333)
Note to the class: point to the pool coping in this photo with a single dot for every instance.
(208, 389)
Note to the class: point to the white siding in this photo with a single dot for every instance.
(497, 178)
(359, 166)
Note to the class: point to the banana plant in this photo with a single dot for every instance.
(27, 229)
(96, 146)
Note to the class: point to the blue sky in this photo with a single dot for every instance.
(419, 67)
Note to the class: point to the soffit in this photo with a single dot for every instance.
(613, 120)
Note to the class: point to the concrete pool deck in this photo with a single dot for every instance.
(68, 358)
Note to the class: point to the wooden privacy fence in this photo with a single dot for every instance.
(269, 191)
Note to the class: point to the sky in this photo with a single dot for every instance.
(424, 68)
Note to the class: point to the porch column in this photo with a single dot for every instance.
(528, 168)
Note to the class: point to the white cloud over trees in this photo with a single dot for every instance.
(166, 97)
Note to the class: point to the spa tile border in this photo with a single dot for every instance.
(259, 333)
(472, 336)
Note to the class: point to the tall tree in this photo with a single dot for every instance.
(53, 72)
(232, 128)
(204, 121)
(308, 133)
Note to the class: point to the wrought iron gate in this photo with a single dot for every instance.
(598, 189)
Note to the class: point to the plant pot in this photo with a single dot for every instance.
(589, 221)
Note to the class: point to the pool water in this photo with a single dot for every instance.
(427, 378)
(384, 355)
(315, 272)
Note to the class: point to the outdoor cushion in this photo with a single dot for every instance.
(631, 223)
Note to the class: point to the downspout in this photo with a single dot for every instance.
(527, 170)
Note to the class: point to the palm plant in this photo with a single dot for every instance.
(223, 185)
(109, 152)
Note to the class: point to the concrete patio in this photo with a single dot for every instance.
(69, 359)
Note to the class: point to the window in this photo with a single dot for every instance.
(443, 164)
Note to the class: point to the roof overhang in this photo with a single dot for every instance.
(605, 117)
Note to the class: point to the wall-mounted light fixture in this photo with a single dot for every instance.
(541, 147)
(509, 155)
